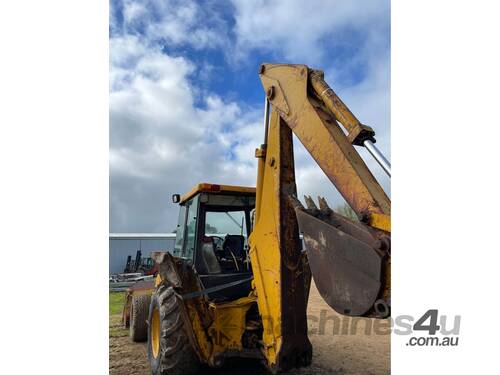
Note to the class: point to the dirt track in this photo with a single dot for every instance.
(348, 350)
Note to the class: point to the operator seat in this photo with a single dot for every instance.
(235, 244)
(209, 260)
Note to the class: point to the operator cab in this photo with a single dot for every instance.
(212, 232)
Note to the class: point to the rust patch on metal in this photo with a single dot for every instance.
(296, 348)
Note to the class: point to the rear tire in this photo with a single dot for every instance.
(139, 309)
(169, 349)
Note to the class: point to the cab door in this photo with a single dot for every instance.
(185, 239)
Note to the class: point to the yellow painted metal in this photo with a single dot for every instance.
(380, 221)
(157, 280)
(357, 132)
(216, 188)
(229, 324)
(201, 338)
(155, 332)
(264, 246)
(315, 126)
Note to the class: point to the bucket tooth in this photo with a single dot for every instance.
(323, 205)
(310, 203)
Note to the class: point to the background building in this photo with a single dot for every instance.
(122, 245)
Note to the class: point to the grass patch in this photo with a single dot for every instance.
(116, 302)
(116, 328)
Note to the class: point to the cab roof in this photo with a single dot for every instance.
(215, 188)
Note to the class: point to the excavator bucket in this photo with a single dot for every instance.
(343, 256)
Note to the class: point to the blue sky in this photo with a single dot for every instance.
(186, 101)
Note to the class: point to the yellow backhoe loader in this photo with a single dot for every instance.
(237, 283)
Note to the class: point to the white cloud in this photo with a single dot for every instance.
(133, 11)
(298, 29)
(175, 22)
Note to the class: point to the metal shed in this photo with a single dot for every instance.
(122, 245)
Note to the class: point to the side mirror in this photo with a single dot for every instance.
(176, 198)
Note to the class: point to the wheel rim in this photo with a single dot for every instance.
(155, 333)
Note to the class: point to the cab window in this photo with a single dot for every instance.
(227, 222)
(179, 236)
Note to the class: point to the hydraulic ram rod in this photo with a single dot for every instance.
(359, 134)
(378, 156)
(266, 119)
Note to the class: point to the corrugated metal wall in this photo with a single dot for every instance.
(121, 247)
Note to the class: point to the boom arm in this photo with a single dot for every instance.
(313, 111)
(350, 261)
